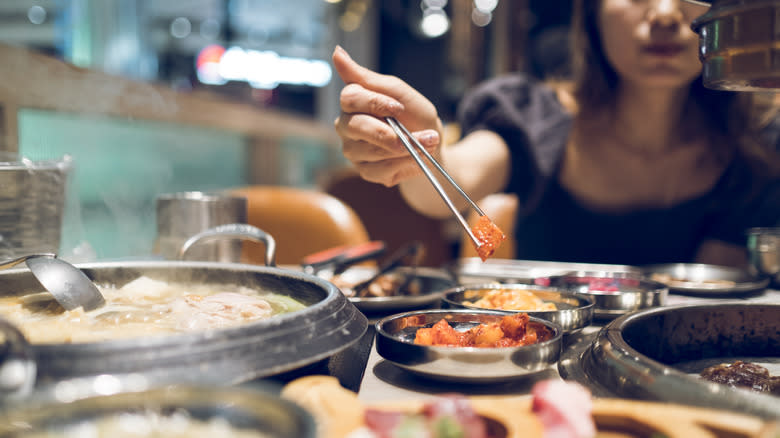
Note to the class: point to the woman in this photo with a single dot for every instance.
(635, 163)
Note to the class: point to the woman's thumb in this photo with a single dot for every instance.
(349, 70)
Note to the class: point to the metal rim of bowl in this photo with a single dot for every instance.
(571, 320)
(752, 285)
(610, 304)
(255, 404)
(610, 359)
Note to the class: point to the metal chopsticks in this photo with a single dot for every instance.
(414, 147)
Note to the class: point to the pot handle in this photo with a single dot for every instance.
(234, 231)
(17, 363)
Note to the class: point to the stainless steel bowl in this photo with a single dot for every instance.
(614, 294)
(395, 343)
(573, 313)
(474, 270)
(704, 279)
(764, 250)
(74, 407)
(430, 282)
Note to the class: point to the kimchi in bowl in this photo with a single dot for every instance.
(395, 342)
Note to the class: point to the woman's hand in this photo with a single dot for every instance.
(368, 141)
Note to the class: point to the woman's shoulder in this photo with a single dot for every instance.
(521, 89)
(517, 98)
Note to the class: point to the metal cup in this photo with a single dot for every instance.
(32, 204)
(185, 214)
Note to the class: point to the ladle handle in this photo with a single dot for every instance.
(233, 231)
(13, 262)
(17, 363)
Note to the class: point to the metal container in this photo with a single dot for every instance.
(657, 354)
(614, 294)
(328, 324)
(183, 215)
(705, 280)
(764, 251)
(32, 204)
(395, 343)
(573, 312)
(739, 44)
(430, 282)
(76, 407)
(474, 270)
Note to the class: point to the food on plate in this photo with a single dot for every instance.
(511, 331)
(742, 374)
(564, 408)
(488, 235)
(147, 424)
(388, 285)
(511, 299)
(672, 281)
(450, 415)
(145, 307)
(555, 409)
(606, 284)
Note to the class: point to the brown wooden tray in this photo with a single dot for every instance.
(338, 412)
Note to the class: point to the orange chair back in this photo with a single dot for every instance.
(390, 219)
(301, 221)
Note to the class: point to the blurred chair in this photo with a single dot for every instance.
(302, 221)
(501, 208)
(389, 218)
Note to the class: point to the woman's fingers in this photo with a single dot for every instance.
(378, 139)
(356, 99)
(382, 95)
(388, 172)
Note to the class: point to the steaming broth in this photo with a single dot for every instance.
(146, 307)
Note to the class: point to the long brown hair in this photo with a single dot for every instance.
(734, 117)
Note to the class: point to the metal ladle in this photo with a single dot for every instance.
(66, 283)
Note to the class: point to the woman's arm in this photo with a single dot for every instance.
(479, 163)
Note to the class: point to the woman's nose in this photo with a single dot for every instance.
(665, 12)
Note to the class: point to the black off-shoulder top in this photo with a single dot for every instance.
(552, 225)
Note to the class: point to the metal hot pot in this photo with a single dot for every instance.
(282, 343)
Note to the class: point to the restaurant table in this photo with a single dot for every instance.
(381, 380)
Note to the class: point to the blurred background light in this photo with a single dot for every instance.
(434, 22)
(480, 18)
(36, 14)
(181, 27)
(485, 5)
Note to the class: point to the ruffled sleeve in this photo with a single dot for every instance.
(528, 116)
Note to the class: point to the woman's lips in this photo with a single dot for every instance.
(663, 49)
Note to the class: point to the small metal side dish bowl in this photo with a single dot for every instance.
(573, 313)
(395, 343)
(613, 294)
(705, 280)
(764, 250)
(430, 282)
(83, 406)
